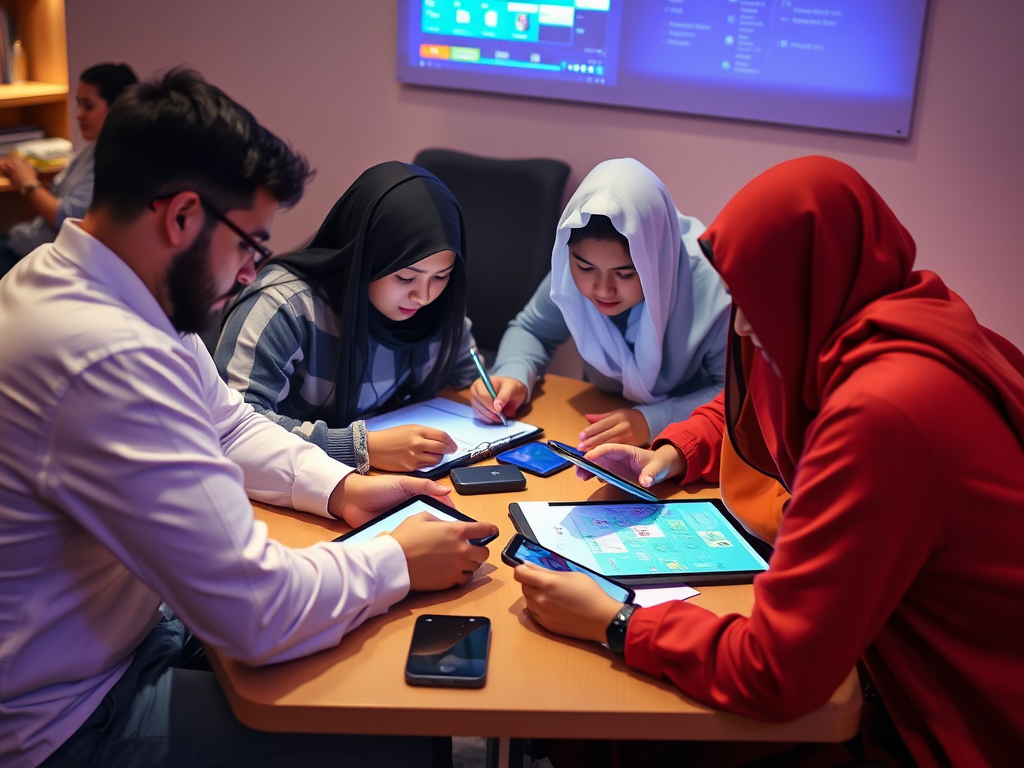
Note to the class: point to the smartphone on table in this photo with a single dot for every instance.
(521, 550)
(449, 651)
(577, 458)
(535, 458)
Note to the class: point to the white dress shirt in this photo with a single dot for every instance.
(126, 467)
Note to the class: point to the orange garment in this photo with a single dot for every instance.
(754, 499)
(898, 423)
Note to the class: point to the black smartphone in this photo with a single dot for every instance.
(487, 479)
(521, 550)
(622, 483)
(386, 522)
(535, 458)
(449, 651)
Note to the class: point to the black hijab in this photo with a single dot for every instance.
(392, 216)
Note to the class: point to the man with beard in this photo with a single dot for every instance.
(125, 465)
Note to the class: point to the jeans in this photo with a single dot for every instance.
(168, 710)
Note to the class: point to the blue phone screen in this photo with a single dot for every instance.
(530, 552)
(534, 457)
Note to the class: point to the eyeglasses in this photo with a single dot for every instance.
(253, 248)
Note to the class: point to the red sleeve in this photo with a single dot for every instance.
(700, 440)
(843, 560)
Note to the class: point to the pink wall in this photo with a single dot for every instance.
(321, 73)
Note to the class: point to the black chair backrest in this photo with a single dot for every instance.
(511, 210)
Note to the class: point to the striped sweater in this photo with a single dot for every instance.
(278, 348)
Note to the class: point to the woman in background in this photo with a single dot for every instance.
(629, 284)
(71, 192)
(370, 316)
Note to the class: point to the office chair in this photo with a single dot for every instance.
(510, 209)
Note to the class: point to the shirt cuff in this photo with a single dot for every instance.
(316, 479)
(390, 568)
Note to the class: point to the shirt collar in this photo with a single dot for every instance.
(104, 266)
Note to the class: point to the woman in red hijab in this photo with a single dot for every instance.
(896, 421)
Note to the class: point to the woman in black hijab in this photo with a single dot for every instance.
(371, 315)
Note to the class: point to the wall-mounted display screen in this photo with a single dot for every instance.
(846, 65)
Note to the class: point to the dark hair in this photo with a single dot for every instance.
(178, 132)
(599, 228)
(110, 80)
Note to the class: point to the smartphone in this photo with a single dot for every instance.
(449, 651)
(521, 550)
(487, 479)
(622, 483)
(535, 458)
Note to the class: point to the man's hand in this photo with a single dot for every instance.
(565, 603)
(648, 467)
(358, 499)
(511, 394)
(411, 446)
(625, 425)
(438, 553)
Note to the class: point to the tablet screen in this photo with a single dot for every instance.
(666, 539)
(388, 523)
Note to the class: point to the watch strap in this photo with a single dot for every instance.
(615, 634)
(28, 189)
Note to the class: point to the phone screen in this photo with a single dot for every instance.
(530, 552)
(535, 458)
(449, 651)
(621, 483)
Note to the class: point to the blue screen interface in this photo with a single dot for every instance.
(638, 539)
(839, 64)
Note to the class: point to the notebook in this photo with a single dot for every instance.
(476, 440)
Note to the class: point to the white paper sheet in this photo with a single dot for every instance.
(457, 420)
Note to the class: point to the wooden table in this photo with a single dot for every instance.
(538, 684)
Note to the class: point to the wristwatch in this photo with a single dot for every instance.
(616, 632)
(28, 189)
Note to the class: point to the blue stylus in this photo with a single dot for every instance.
(487, 380)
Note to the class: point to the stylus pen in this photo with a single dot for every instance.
(487, 380)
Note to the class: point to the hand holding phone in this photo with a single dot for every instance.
(521, 550)
(609, 477)
(449, 651)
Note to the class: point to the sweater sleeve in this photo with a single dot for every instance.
(531, 339)
(699, 438)
(263, 338)
(843, 561)
(464, 372)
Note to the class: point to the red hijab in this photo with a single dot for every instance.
(823, 271)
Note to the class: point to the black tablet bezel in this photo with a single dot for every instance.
(608, 476)
(521, 524)
(440, 506)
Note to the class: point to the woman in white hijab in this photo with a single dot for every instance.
(630, 285)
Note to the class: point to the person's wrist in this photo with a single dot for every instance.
(29, 188)
(615, 633)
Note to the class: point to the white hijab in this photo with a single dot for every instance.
(668, 327)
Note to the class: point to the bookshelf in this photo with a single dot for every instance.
(43, 99)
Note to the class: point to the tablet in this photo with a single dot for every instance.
(686, 541)
(388, 521)
(576, 457)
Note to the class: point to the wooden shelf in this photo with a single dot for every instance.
(31, 93)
